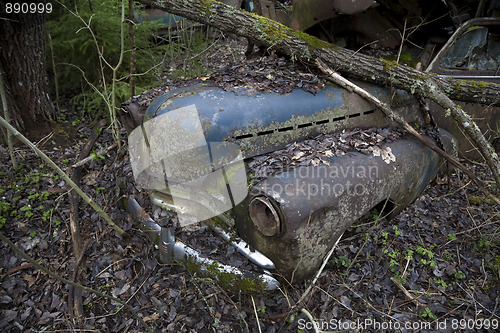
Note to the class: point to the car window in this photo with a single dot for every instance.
(477, 49)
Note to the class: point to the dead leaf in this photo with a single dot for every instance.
(151, 317)
(30, 279)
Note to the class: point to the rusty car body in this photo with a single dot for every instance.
(471, 53)
(286, 221)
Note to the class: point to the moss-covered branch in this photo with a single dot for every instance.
(299, 45)
(302, 46)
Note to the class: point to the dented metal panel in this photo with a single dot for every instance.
(314, 205)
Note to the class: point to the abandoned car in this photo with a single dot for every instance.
(190, 152)
(282, 176)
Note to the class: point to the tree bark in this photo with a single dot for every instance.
(22, 56)
(301, 46)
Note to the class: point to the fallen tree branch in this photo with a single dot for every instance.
(75, 296)
(71, 283)
(338, 79)
(406, 292)
(61, 173)
(299, 45)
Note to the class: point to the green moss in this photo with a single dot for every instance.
(406, 58)
(389, 64)
(422, 76)
(313, 42)
(206, 6)
(474, 27)
(478, 201)
(276, 33)
(226, 280)
(479, 85)
(271, 30)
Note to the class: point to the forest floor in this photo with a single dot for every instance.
(433, 268)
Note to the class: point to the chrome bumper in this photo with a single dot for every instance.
(172, 250)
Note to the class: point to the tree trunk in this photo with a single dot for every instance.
(299, 45)
(22, 56)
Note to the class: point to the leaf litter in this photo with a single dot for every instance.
(443, 249)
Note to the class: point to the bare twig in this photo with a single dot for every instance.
(91, 157)
(131, 35)
(406, 292)
(256, 314)
(75, 296)
(311, 319)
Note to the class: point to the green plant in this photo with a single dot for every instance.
(427, 314)
(341, 261)
(32, 234)
(426, 253)
(86, 40)
(47, 214)
(397, 233)
(484, 244)
(99, 189)
(4, 212)
(394, 259)
(458, 275)
(452, 237)
(27, 211)
(375, 214)
(96, 156)
(409, 255)
(262, 309)
(44, 196)
(440, 282)
(32, 178)
(384, 237)
(447, 256)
